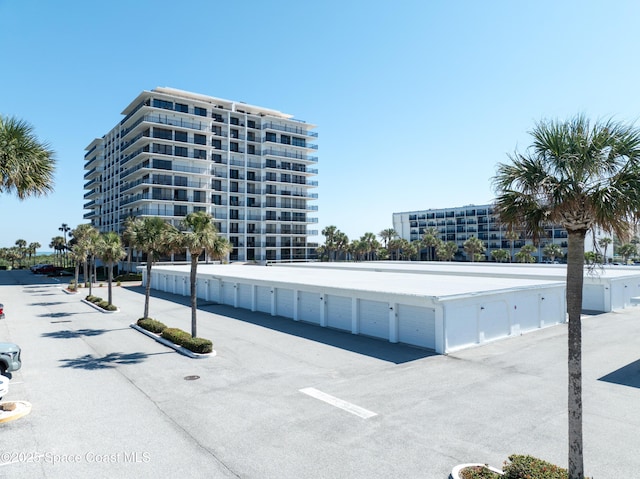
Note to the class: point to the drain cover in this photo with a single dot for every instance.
(191, 378)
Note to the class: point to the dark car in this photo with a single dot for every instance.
(47, 269)
(9, 358)
(1, 311)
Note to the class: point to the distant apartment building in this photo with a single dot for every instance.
(461, 223)
(176, 152)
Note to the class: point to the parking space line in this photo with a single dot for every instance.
(339, 403)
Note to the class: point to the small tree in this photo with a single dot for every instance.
(472, 247)
(446, 251)
(627, 251)
(525, 254)
(500, 255)
(109, 249)
(552, 251)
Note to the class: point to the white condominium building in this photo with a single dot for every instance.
(176, 152)
(458, 224)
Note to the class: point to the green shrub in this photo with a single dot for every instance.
(528, 467)
(103, 304)
(91, 298)
(151, 325)
(198, 345)
(478, 472)
(111, 307)
(182, 338)
(129, 277)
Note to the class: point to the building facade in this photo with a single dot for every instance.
(461, 223)
(177, 152)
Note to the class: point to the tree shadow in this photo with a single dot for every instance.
(47, 303)
(67, 334)
(111, 360)
(61, 314)
(628, 375)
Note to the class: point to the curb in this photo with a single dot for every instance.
(455, 473)
(99, 308)
(179, 349)
(23, 408)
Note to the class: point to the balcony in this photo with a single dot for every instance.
(289, 129)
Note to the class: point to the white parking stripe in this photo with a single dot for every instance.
(339, 403)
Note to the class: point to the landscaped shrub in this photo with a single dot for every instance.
(103, 304)
(479, 472)
(182, 338)
(111, 307)
(151, 325)
(198, 345)
(528, 467)
(91, 298)
(129, 277)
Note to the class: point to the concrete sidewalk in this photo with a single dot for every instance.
(99, 387)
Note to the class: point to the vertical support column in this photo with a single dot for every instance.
(295, 305)
(393, 322)
(355, 315)
(254, 297)
(274, 293)
(235, 295)
(323, 310)
(442, 345)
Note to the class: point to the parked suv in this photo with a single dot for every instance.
(9, 358)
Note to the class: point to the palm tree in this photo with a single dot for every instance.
(579, 175)
(604, 242)
(65, 229)
(26, 164)
(109, 249)
(512, 236)
(126, 239)
(33, 249)
(552, 251)
(154, 237)
(431, 239)
(626, 251)
(57, 243)
(372, 244)
(525, 255)
(329, 233)
(446, 251)
(473, 246)
(387, 235)
(341, 243)
(21, 246)
(199, 237)
(221, 248)
(500, 255)
(83, 243)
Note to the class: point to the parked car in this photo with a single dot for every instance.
(36, 266)
(47, 269)
(1, 311)
(4, 386)
(9, 358)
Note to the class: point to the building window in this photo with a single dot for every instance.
(199, 196)
(199, 208)
(180, 195)
(161, 179)
(233, 228)
(216, 199)
(180, 181)
(251, 149)
(271, 163)
(182, 108)
(179, 210)
(298, 141)
(167, 105)
(235, 133)
(251, 175)
(199, 139)
(161, 164)
(285, 139)
(199, 154)
(181, 136)
(181, 151)
(216, 158)
(233, 201)
(217, 144)
(163, 133)
(251, 123)
(162, 149)
(217, 117)
(200, 111)
(234, 121)
(216, 185)
(234, 214)
(234, 174)
(270, 137)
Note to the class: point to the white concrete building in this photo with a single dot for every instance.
(176, 152)
(461, 223)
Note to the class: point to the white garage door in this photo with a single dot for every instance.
(263, 302)
(284, 302)
(228, 293)
(214, 290)
(374, 318)
(525, 314)
(417, 326)
(551, 311)
(493, 321)
(338, 312)
(201, 288)
(244, 296)
(309, 307)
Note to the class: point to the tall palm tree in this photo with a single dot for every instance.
(580, 175)
(626, 251)
(473, 246)
(199, 237)
(152, 236)
(57, 243)
(604, 242)
(372, 244)
(512, 236)
(26, 164)
(33, 249)
(84, 238)
(525, 255)
(446, 251)
(21, 246)
(552, 251)
(500, 255)
(329, 233)
(387, 235)
(65, 229)
(341, 242)
(109, 249)
(221, 248)
(431, 239)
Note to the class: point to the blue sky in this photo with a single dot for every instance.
(415, 101)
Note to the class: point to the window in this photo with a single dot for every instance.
(233, 146)
(179, 210)
(298, 141)
(234, 214)
(216, 199)
(180, 181)
(181, 136)
(234, 174)
(160, 194)
(285, 139)
(199, 154)
(270, 137)
(234, 187)
(233, 228)
(181, 107)
(200, 111)
(216, 185)
(271, 163)
(161, 179)
(271, 215)
(161, 164)
(233, 201)
(217, 144)
(251, 228)
(162, 133)
(167, 105)
(180, 195)
(234, 121)
(162, 149)
(199, 197)
(251, 202)
(199, 208)
(251, 123)
(217, 117)
(216, 158)
(199, 139)
(235, 133)
(251, 136)
(181, 151)
(251, 175)
(271, 177)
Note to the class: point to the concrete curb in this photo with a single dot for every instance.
(455, 473)
(180, 349)
(22, 409)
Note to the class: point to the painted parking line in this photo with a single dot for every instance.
(339, 403)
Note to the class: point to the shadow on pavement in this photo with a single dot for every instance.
(47, 303)
(67, 334)
(628, 375)
(376, 348)
(111, 360)
(56, 315)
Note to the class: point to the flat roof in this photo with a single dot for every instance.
(438, 287)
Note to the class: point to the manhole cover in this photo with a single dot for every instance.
(191, 378)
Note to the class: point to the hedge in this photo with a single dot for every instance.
(519, 467)
(151, 325)
(182, 338)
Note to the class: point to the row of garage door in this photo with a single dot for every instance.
(394, 322)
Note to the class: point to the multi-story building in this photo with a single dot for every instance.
(461, 223)
(176, 152)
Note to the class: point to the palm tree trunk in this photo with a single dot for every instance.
(109, 280)
(575, 278)
(147, 287)
(194, 300)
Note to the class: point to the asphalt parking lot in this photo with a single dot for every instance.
(108, 401)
